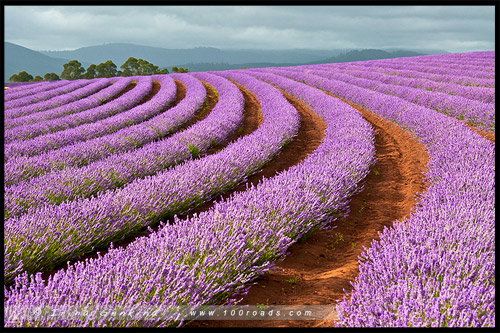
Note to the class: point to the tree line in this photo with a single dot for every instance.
(74, 70)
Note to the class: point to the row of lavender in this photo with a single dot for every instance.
(26, 90)
(418, 288)
(481, 94)
(45, 100)
(94, 99)
(14, 86)
(122, 111)
(478, 113)
(209, 257)
(438, 267)
(114, 214)
(404, 71)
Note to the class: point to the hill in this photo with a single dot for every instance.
(367, 54)
(18, 58)
(120, 52)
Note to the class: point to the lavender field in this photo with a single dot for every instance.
(102, 177)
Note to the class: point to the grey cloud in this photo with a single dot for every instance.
(459, 28)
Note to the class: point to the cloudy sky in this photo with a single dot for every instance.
(450, 28)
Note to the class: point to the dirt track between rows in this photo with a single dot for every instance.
(485, 134)
(326, 262)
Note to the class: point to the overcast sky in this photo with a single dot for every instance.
(450, 28)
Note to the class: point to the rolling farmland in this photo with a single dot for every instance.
(184, 189)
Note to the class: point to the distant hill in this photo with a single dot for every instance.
(354, 55)
(18, 58)
(368, 54)
(162, 57)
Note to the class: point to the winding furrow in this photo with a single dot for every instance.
(410, 276)
(204, 259)
(480, 114)
(126, 163)
(126, 139)
(114, 214)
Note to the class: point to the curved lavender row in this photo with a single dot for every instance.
(481, 94)
(487, 66)
(458, 79)
(425, 68)
(109, 124)
(45, 100)
(11, 95)
(82, 153)
(92, 101)
(438, 268)
(115, 214)
(441, 66)
(483, 58)
(119, 169)
(18, 86)
(204, 259)
(486, 63)
(480, 114)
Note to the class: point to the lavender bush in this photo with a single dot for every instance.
(110, 124)
(45, 100)
(84, 224)
(437, 268)
(86, 103)
(32, 89)
(205, 259)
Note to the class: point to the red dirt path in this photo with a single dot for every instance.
(327, 261)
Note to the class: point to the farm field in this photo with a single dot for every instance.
(368, 186)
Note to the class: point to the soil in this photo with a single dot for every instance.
(131, 86)
(309, 136)
(210, 103)
(326, 262)
(485, 134)
(154, 90)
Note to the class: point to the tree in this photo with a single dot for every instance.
(37, 79)
(73, 70)
(91, 72)
(146, 68)
(134, 66)
(51, 77)
(129, 67)
(21, 77)
(106, 69)
(179, 70)
(163, 71)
